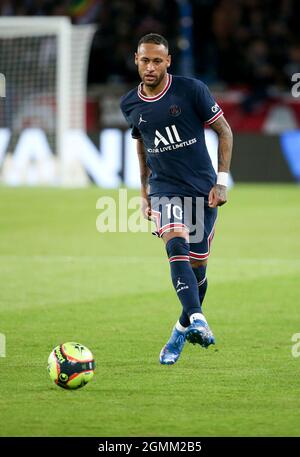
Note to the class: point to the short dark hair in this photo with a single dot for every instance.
(154, 38)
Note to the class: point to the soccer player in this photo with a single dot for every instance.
(168, 115)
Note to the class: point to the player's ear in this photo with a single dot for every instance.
(135, 58)
(169, 60)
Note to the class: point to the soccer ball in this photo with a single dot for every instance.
(71, 365)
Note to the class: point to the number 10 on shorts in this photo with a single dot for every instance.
(177, 211)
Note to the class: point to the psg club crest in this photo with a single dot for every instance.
(174, 110)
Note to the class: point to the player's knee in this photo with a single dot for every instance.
(167, 236)
(177, 246)
(198, 263)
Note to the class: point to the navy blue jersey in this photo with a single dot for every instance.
(171, 126)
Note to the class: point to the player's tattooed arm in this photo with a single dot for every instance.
(223, 130)
(144, 176)
(218, 194)
(144, 170)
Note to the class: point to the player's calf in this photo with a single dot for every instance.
(199, 270)
(183, 278)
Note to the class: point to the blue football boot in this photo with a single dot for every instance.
(199, 333)
(171, 351)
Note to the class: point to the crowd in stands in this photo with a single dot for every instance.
(248, 42)
(236, 43)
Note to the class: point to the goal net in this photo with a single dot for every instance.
(44, 62)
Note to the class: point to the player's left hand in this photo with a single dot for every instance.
(217, 196)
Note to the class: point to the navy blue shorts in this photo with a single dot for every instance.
(186, 213)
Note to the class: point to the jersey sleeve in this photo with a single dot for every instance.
(135, 133)
(206, 106)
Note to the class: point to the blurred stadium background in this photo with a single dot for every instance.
(66, 63)
(62, 77)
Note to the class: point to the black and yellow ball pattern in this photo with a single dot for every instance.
(71, 365)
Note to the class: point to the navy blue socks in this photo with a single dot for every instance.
(183, 277)
(200, 274)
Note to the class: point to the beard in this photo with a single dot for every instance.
(153, 82)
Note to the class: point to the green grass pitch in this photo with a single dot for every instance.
(61, 280)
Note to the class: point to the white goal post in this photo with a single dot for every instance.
(44, 61)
